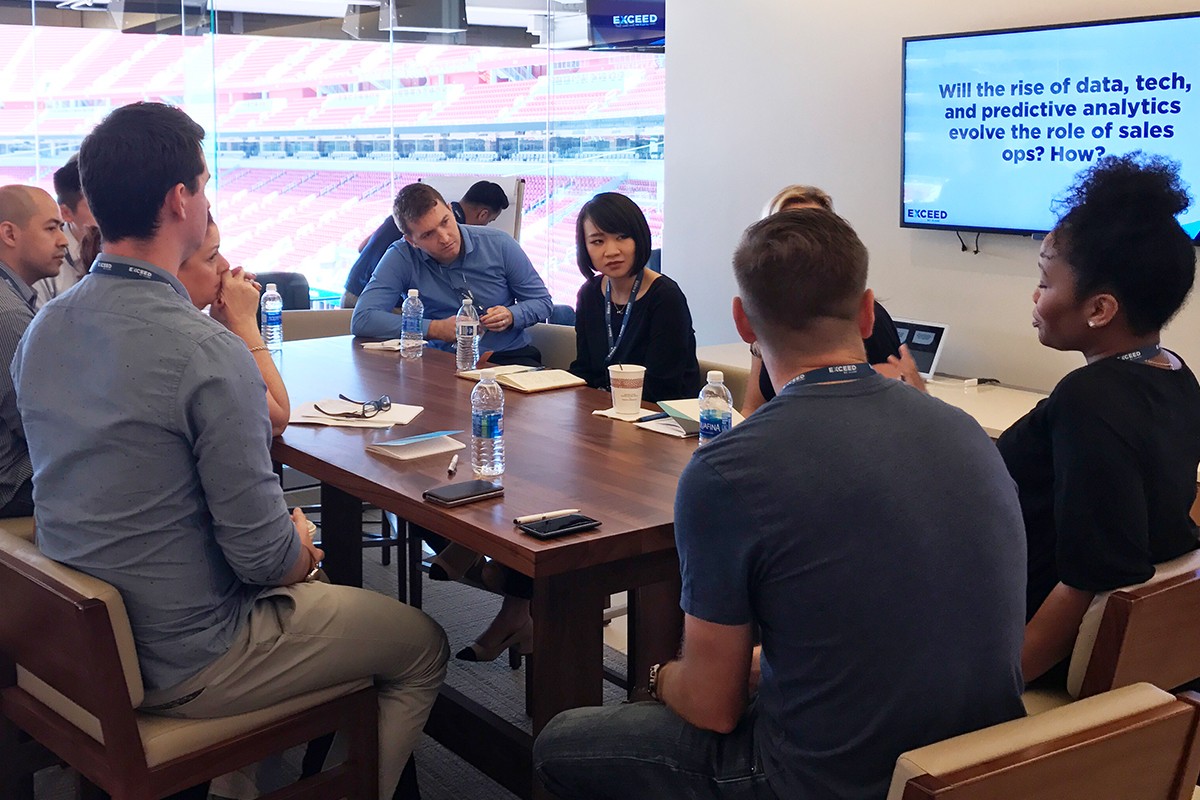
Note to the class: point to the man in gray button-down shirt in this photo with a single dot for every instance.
(150, 442)
(32, 247)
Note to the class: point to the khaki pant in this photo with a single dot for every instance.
(309, 636)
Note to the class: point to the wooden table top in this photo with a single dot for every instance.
(558, 455)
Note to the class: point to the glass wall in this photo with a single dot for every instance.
(315, 122)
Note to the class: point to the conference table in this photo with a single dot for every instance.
(558, 455)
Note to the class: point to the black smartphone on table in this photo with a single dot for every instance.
(458, 494)
(559, 526)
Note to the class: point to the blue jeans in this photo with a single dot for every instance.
(646, 750)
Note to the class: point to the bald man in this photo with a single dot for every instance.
(32, 247)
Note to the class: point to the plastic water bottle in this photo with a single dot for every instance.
(487, 426)
(272, 319)
(466, 332)
(412, 342)
(716, 407)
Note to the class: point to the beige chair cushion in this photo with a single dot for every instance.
(1090, 626)
(556, 343)
(315, 324)
(1038, 700)
(89, 587)
(167, 738)
(1009, 737)
(20, 527)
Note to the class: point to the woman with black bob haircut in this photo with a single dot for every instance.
(1106, 465)
(626, 313)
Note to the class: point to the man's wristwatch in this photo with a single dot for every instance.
(652, 686)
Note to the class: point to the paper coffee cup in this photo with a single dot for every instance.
(626, 381)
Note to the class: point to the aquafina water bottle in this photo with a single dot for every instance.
(466, 333)
(487, 426)
(716, 407)
(272, 319)
(412, 341)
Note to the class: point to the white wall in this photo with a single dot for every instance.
(762, 93)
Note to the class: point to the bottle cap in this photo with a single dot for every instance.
(468, 301)
(716, 376)
(412, 293)
(270, 287)
(487, 374)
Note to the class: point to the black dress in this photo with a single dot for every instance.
(1106, 472)
(658, 336)
(883, 342)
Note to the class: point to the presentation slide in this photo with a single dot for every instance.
(997, 125)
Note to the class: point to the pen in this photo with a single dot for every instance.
(649, 417)
(562, 512)
(453, 468)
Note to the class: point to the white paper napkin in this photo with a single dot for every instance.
(612, 413)
(307, 414)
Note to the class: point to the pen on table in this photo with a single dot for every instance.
(453, 468)
(562, 512)
(649, 417)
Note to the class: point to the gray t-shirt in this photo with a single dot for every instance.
(874, 536)
(148, 430)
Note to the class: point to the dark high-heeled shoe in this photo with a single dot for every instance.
(519, 644)
(452, 563)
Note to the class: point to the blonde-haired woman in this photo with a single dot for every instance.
(882, 344)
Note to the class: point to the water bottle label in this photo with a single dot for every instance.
(713, 422)
(467, 329)
(273, 318)
(410, 324)
(487, 424)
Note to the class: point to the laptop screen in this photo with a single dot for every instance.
(924, 340)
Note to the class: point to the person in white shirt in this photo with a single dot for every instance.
(78, 224)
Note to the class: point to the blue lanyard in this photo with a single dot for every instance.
(16, 290)
(1143, 354)
(102, 267)
(612, 346)
(838, 372)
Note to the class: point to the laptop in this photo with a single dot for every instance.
(925, 341)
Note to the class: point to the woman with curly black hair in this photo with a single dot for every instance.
(1106, 465)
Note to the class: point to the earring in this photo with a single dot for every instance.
(1091, 323)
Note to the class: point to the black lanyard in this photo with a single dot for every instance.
(117, 270)
(1141, 354)
(612, 346)
(839, 372)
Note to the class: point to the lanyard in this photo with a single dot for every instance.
(840, 372)
(102, 267)
(612, 346)
(1143, 354)
(16, 290)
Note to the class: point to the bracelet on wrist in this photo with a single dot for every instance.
(258, 347)
(653, 684)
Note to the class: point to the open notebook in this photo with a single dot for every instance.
(528, 379)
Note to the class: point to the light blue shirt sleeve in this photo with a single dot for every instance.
(392, 279)
(533, 303)
(221, 403)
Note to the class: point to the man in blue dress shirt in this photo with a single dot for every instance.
(447, 262)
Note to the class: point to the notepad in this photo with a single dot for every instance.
(528, 379)
(419, 446)
(540, 380)
(474, 374)
(690, 409)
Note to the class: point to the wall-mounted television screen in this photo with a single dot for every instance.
(628, 24)
(998, 123)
